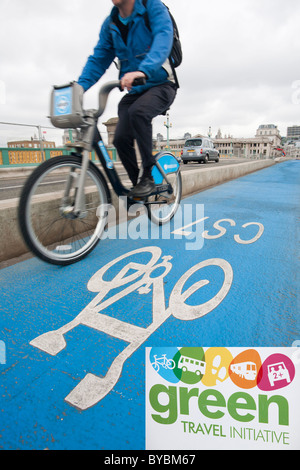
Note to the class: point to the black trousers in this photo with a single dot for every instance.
(136, 112)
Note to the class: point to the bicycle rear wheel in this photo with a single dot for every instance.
(50, 228)
(162, 207)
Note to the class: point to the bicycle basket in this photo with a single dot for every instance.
(66, 106)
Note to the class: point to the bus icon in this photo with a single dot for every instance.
(191, 365)
(246, 370)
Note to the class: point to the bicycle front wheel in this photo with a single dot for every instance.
(48, 223)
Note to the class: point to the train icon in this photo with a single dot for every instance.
(246, 370)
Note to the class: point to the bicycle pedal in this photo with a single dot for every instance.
(135, 199)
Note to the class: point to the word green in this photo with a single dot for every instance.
(212, 404)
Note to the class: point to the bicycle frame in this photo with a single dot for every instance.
(90, 138)
(113, 176)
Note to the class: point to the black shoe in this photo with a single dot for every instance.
(144, 187)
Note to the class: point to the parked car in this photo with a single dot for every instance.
(199, 150)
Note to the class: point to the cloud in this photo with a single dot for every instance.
(240, 61)
(239, 65)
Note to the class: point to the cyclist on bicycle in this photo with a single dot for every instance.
(142, 52)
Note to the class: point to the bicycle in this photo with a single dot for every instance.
(164, 362)
(63, 226)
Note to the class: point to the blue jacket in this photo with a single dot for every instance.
(145, 51)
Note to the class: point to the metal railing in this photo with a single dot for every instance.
(12, 157)
(18, 147)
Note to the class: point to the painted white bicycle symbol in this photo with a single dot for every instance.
(139, 277)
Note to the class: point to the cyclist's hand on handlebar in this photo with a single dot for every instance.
(128, 80)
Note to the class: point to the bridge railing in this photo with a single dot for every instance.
(12, 157)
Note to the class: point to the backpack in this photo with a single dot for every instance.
(175, 57)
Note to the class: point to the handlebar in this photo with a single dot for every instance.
(108, 87)
(103, 95)
(66, 106)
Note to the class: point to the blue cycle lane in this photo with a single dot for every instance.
(73, 338)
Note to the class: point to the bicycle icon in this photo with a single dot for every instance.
(141, 277)
(164, 362)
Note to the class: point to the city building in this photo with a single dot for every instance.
(269, 130)
(267, 139)
(32, 143)
(293, 133)
(174, 144)
(244, 147)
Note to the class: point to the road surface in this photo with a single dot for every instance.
(11, 187)
(227, 280)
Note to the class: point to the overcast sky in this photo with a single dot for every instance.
(240, 68)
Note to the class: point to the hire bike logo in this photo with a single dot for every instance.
(220, 393)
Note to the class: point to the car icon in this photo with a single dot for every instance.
(278, 371)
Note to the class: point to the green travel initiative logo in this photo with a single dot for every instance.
(186, 368)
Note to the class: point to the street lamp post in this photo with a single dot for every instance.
(168, 125)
